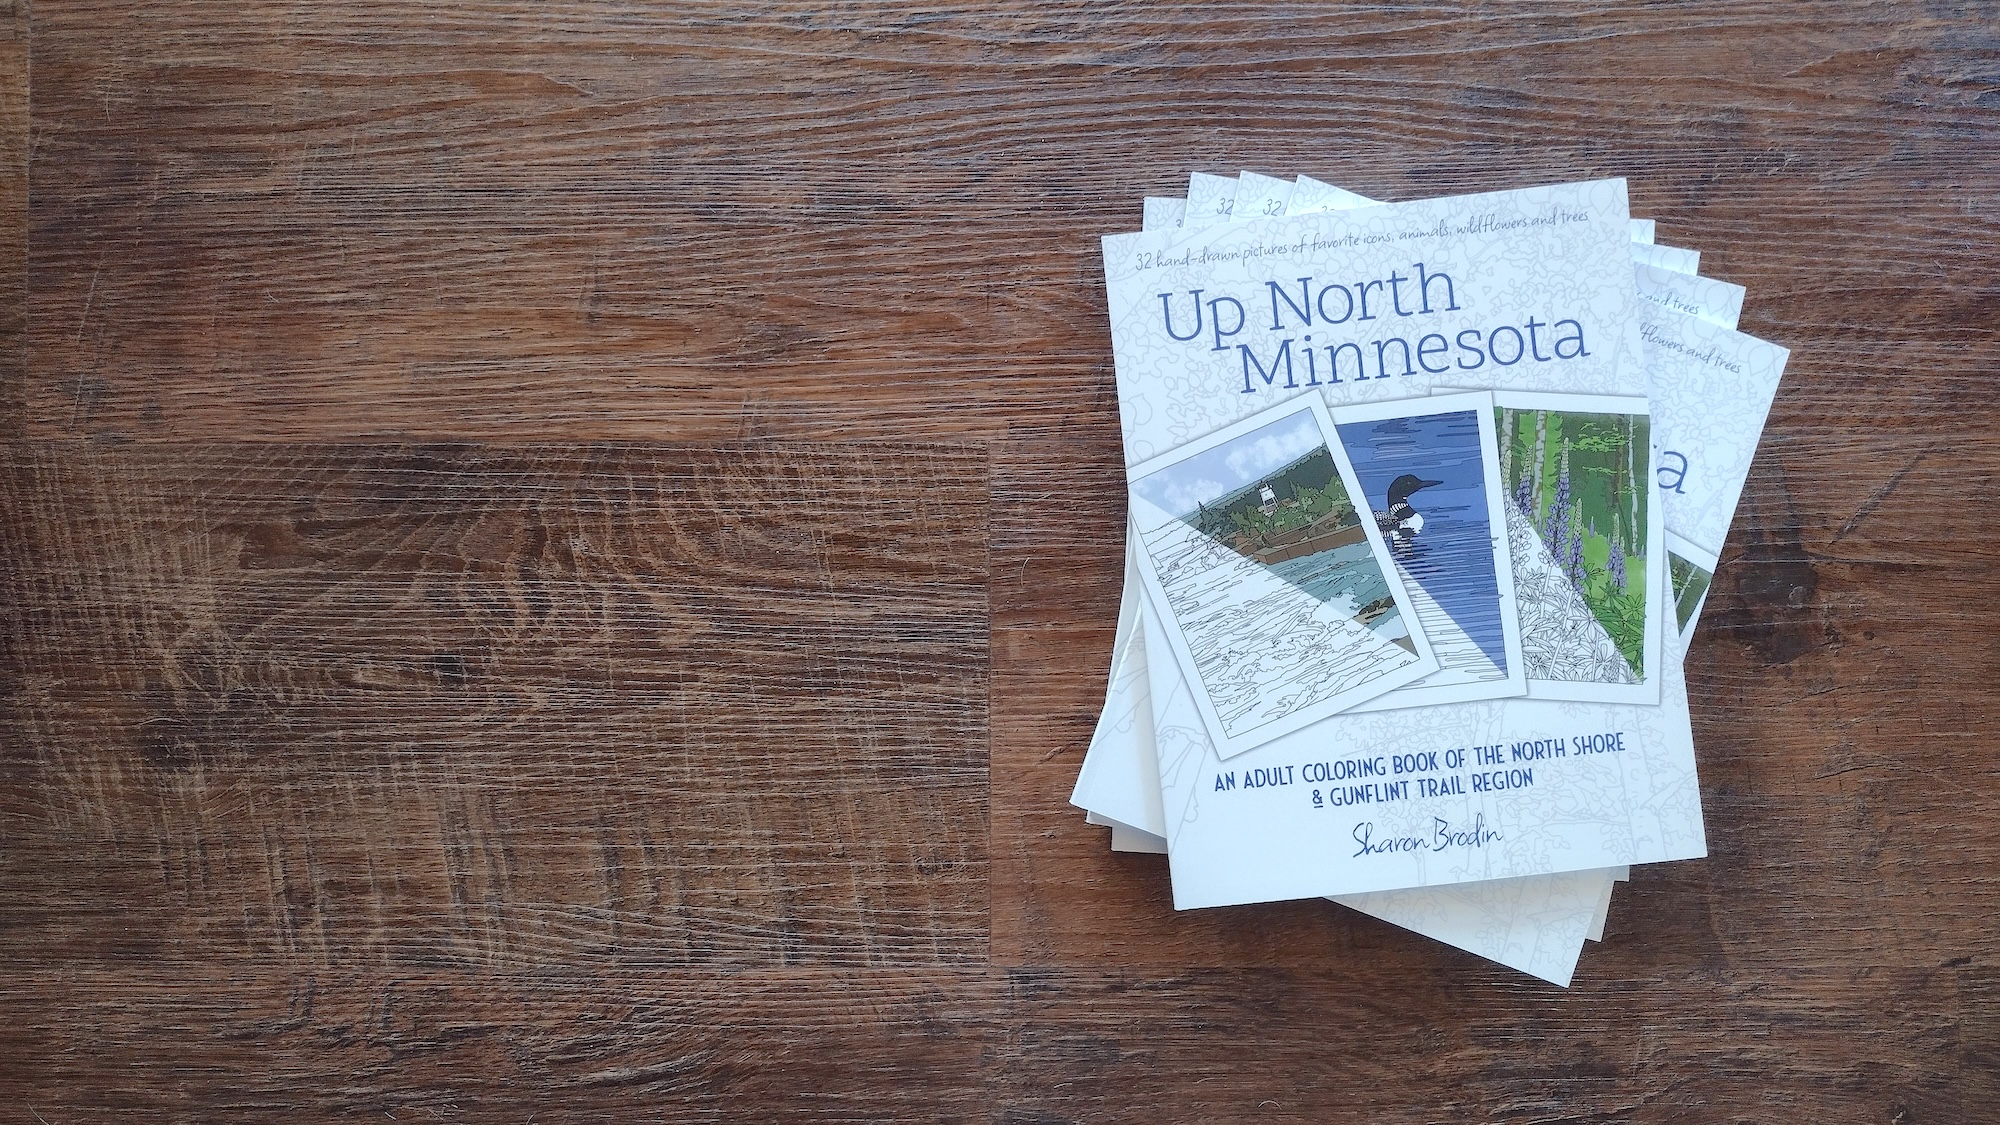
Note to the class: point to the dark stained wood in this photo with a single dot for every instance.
(568, 1044)
(557, 563)
(13, 218)
(1609, 1051)
(458, 706)
(696, 222)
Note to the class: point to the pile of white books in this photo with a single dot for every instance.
(1424, 501)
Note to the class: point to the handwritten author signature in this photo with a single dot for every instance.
(1444, 836)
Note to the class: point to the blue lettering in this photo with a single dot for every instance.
(1381, 357)
(1215, 320)
(1167, 315)
(1677, 472)
(1283, 356)
(1426, 349)
(1424, 287)
(1479, 359)
(1363, 290)
(1333, 355)
(1277, 294)
(1574, 339)
(1320, 304)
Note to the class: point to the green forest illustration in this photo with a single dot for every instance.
(1690, 584)
(1581, 479)
(1305, 493)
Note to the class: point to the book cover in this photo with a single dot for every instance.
(1210, 325)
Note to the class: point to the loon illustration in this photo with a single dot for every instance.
(1401, 523)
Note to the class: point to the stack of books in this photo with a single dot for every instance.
(1424, 501)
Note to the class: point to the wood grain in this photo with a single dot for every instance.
(1498, 1051)
(13, 219)
(449, 706)
(563, 1045)
(699, 222)
(557, 562)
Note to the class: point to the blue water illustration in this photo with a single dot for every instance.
(1451, 556)
(1344, 572)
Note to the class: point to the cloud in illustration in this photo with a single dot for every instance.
(1236, 464)
(1263, 452)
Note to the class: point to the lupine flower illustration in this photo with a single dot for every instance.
(1558, 528)
(1577, 574)
(1618, 565)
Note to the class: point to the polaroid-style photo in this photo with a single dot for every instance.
(1692, 568)
(1588, 547)
(1271, 577)
(1429, 470)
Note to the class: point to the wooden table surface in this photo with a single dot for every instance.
(559, 562)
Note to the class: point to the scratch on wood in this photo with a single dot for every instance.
(1875, 499)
